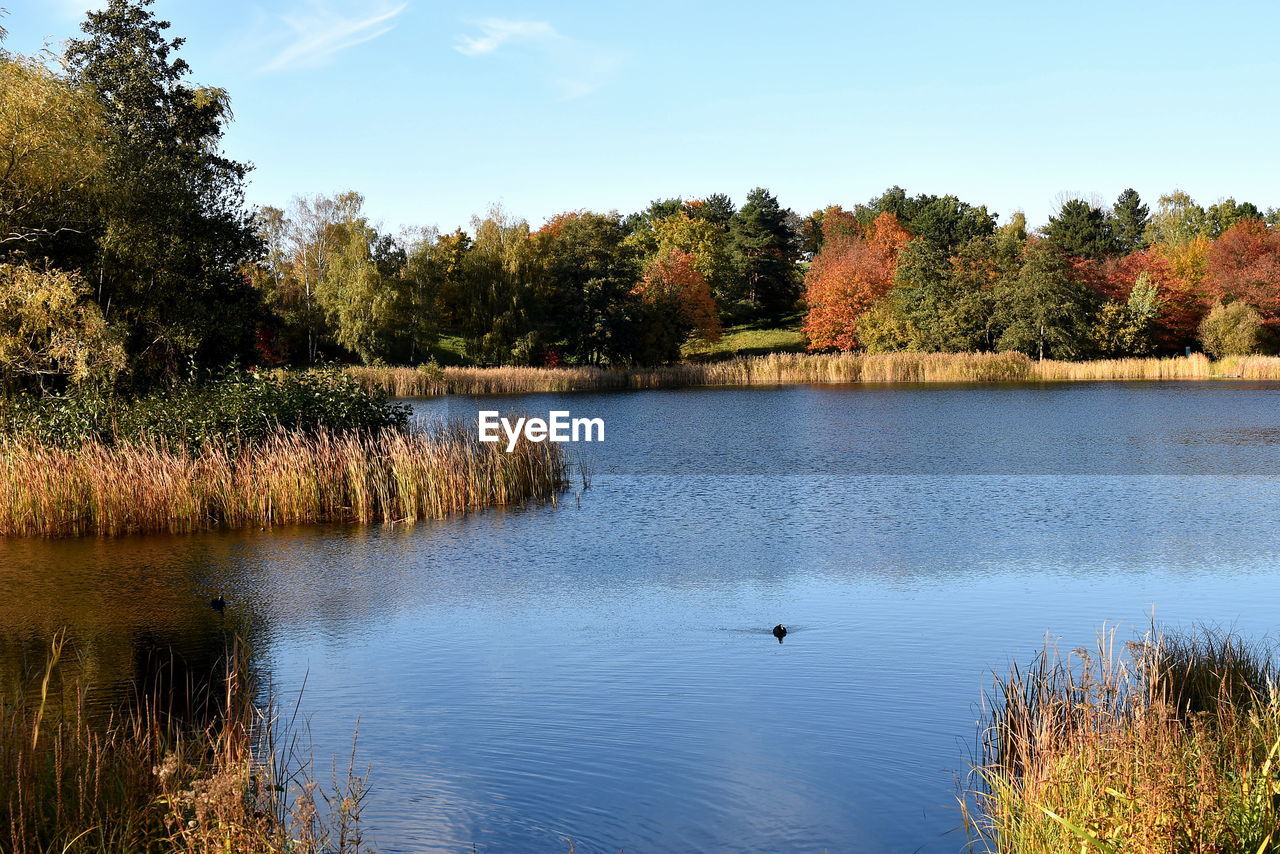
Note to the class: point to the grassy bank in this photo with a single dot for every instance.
(216, 776)
(1171, 746)
(288, 477)
(793, 368)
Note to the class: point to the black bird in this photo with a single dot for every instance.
(779, 632)
(219, 604)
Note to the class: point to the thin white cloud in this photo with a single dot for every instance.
(572, 67)
(498, 32)
(322, 31)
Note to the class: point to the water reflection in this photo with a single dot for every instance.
(603, 670)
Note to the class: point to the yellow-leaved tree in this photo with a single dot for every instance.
(51, 333)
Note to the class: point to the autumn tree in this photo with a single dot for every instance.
(1244, 264)
(677, 302)
(708, 241)
(852, 272)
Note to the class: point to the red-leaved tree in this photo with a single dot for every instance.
(854, 269)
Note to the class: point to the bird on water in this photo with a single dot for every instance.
(219, 604)
(779, 632)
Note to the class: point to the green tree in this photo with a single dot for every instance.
(589, 271)
(174, 235)
(765, 245)
(1129, 222)
(1126, 328)
(1177, 221)
(1045, 312)
(1081, 230)
(368, 303)
(1226, 213)
(1231, 329)
(496, 293)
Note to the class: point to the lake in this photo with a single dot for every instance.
(600, 671)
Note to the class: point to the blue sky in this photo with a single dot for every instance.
(434, 109)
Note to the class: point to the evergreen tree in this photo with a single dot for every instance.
(765, 245)
(1129, 222)
(1081, 231)
(717, 208)
(1045, 312)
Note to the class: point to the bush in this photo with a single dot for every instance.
(1234, 329)
(242, 407)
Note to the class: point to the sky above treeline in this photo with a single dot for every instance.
(435, 109)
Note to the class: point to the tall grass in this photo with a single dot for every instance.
(1167, 747)
(798, 368)
(222, 777)
(289, 477)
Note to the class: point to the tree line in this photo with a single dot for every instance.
(128, 255)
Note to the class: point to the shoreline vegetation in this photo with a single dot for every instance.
(799, 368)
(248, 449)
(291, 477)
(1170, 744)
(177, 769)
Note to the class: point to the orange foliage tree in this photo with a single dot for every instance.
(672, 280)
(854, 269)
(1244, 264)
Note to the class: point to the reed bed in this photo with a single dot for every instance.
(801, 368)
(142, 779)
(1169, 746)
(288, 478)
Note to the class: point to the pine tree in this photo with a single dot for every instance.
(766, 248)
(1081, 231)
(1129, 222)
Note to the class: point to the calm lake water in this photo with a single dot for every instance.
(601, 670)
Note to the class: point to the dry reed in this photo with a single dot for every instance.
(222, 778)
(288, 478)
(799, 368)
(1168, 749)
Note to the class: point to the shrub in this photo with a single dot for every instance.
(240, 407)
(1231, 329)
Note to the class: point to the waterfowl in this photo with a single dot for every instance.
(219, 604)
(779, 632)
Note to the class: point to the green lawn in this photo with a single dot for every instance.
(749, 339)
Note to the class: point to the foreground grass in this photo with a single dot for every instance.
(793, 368)
(1168, 747)
(290, 477)
(208, 771)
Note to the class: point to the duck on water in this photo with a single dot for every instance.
(779, 632)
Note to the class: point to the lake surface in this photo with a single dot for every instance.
(601, 670)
